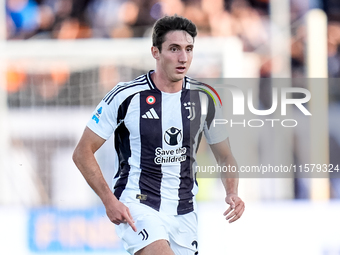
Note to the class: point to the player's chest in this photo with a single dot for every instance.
(169, 115)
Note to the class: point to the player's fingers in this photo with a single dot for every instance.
(231, 207)
(116, 222)
(235, 212)
(231, 215)
(130, 222)
(239, 206)
(233, 219)
(128, 211)
(237, 215)
(227, 211)
(241, 212)
(114, 219)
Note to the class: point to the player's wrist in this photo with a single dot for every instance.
(109, 199)
(232, 193)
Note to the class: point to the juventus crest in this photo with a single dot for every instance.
(191, 107)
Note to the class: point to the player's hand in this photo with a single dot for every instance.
(119, 213)
(236, 207)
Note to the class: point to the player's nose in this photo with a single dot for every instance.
(182, 57)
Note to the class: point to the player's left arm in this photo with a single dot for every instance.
(224, 157)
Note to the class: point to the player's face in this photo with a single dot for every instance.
(175, 58)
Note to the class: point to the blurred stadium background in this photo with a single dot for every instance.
(58, 58)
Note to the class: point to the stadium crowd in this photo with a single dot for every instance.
(247, 19)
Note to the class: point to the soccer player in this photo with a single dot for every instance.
(158, 120)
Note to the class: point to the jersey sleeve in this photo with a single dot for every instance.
(213, 131)
(103, 121)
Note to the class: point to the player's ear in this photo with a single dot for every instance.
(155, 52)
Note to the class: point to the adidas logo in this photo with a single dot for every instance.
(150, 114)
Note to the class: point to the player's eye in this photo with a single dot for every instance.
(173, 49)
(189, 49)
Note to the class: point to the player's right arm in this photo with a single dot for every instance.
(86, 162)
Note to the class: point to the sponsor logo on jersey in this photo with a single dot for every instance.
(150, 114)
(170, 156)
(190, 106)
(96, 116)
(173, 136)
(150, 99)
(141, 196)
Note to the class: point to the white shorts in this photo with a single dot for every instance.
(179, 230)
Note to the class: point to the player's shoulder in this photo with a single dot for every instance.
(125, 89)
(202, 87)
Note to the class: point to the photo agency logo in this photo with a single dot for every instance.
(283, 96)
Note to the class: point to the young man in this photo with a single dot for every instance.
(158, 120)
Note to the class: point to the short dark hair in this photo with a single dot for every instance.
(171, 23)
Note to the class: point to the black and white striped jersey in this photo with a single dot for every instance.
(156, 138)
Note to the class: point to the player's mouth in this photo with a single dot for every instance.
(181, 69)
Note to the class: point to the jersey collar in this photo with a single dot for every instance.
(153, 86)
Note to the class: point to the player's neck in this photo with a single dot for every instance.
(164, 84)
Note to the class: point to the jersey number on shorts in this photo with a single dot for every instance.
(144, 234)
(194, 243)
